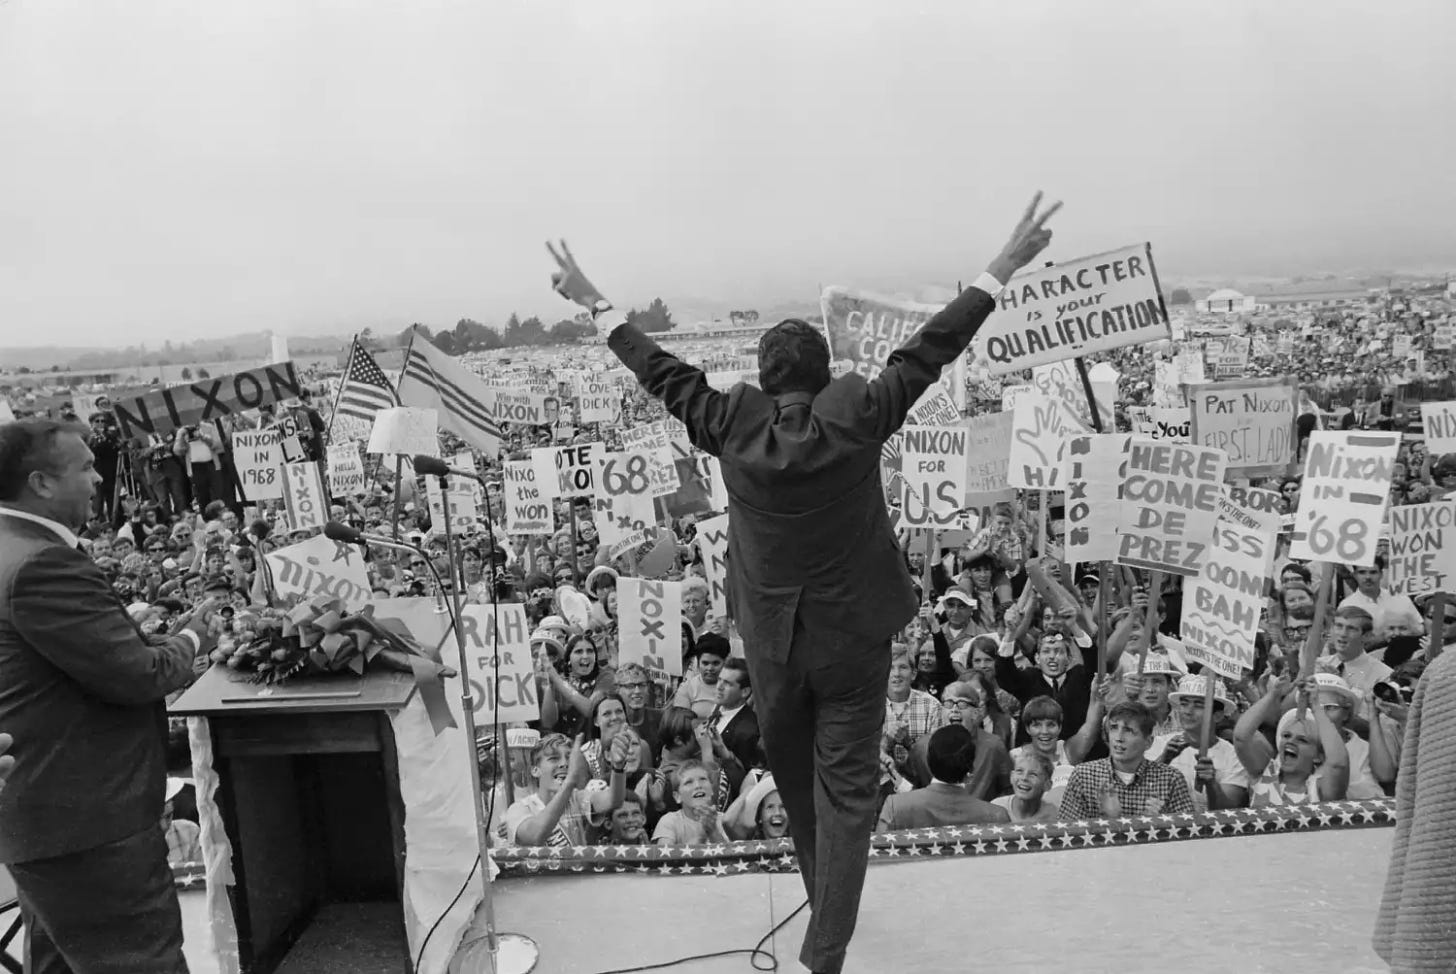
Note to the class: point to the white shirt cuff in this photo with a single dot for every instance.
(608, 321)
(988, 284)
(192, 635)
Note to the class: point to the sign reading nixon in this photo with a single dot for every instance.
(206, 399)
(1089, 305)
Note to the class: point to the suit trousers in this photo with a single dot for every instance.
(108, 910)
(821, 715)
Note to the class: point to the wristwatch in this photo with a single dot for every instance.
(600, 306)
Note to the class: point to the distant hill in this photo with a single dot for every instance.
(254, 345)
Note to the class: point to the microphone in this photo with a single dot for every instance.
(342, 533)
(431, 466)
(435, 467)
(260, 529)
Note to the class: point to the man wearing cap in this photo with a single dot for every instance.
(1218, 780)
(1153, 688)
(816, 581)
(959, 629)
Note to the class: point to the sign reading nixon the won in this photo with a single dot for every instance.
(528, 509)
(933, 471)
(1170, 504)
(1089, 305)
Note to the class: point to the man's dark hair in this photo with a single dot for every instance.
(951, 754)
(739, 666)
(1132, 713)
(28, 445)
(793, 357)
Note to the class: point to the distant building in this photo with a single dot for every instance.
(1313, 294)
(1226, 301)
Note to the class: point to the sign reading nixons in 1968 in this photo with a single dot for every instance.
(1089, 305)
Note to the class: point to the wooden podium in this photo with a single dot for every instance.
(309, 795)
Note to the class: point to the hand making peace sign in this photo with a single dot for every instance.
(568, 280)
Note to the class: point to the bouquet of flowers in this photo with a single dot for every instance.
(272, 645)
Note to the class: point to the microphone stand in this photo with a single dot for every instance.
(510, 953)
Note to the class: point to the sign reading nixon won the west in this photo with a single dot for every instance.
(1093, 304)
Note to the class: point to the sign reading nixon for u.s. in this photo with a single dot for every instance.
(1089, 305)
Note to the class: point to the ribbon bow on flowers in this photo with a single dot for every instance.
(318, 636)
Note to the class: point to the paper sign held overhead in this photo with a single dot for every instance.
(1252, 421)
(346, 469)
(1343, 497)
(933, 474)
(1423, 549)
(406, 431)
(1170, 502)
(320, 567)
(305, 501)
(1040, 428)
(650, 627)
(205, 400)
(1089, 305)
(1223, 603)
(528, 509)
(1092, 504)
(1439, 422)
(259, 463)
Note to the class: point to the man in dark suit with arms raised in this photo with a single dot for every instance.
(817, 584)
(81, 693)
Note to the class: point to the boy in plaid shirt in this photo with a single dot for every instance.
(1125, 783)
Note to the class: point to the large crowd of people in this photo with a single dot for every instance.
(996, 709)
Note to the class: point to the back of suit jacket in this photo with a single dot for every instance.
(937, 805)
(809, 537)
(81, 692)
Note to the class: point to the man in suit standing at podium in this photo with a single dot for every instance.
(817, 584)
(81, 693)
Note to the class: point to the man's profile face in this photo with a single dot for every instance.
(69, 480)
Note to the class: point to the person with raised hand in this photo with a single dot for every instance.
(817, 585)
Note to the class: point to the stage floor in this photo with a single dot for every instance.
(1286, 903)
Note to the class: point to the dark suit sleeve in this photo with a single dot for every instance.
(683, 388)
(62, 607)
(912, 368)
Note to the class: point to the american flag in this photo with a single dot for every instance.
(366, 389)
(466, 405)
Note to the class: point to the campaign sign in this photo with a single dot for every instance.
(1253, 422)
(1422, 556)
(933, 474)
(258, 460)
(1343, 496)
(305, 501)
(1094, 304)
(1092, 504)
(528, 509)
(1170, 503)
(205, 400)
(650, 627)
(863, 329)
(321, 567)
(1223, 603)
(1041, 426)
(712, 541)
(623, 510)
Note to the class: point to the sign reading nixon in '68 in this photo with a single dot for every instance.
(1089, 305)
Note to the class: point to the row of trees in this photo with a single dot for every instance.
(469, 335)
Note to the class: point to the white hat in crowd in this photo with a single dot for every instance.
(1197, 686)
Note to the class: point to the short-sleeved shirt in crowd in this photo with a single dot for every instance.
(695, 695)
(675, 828)
(575, 825)
(1155, 789)
(1228, 770)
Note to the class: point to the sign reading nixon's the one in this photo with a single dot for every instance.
(1089, 305)
(206, 399)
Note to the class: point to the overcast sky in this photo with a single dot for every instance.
(179, 168)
